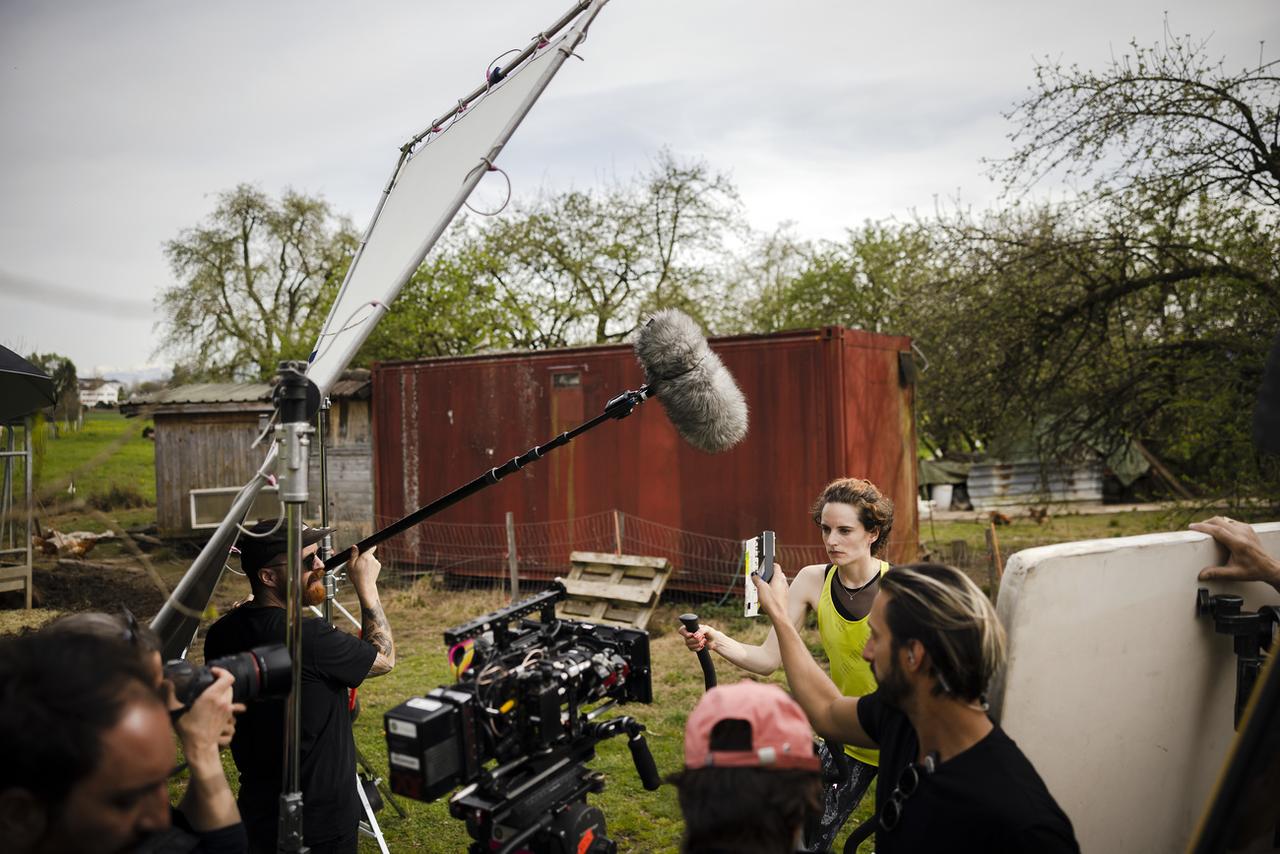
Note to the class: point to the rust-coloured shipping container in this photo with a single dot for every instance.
(824, 403)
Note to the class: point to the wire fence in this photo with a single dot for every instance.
(482, 554)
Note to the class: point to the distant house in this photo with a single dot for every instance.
(99, 392)
(203, 444)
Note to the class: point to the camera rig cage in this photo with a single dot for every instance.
(522, 701)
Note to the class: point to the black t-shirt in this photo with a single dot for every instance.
(987, 799)
(332, 662)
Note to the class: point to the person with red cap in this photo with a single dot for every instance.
(333, 662)
(752, 778)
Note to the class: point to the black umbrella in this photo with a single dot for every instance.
(24, 388)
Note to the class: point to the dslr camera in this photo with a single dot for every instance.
(518, 727)
(260, 673)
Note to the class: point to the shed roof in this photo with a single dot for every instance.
(206, 393)
(353, 384)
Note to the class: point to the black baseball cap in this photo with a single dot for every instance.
(258, 551)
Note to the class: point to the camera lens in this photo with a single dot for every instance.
(261, 672)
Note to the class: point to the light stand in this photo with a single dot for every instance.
(326, 545)
(369, 825)
(294, 446)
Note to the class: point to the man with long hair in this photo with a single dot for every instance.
(950, 779)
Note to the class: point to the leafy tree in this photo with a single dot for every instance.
(856, 283)
(585, 266)
(66, 386)
(1142, 307)
(450, 307)
(254, 283)
(571, 268)
(1075, 328)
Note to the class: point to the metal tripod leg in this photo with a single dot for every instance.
(383, 787)
(369, 825)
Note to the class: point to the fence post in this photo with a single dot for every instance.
(617, 531)
(995, 569)
(511, 556)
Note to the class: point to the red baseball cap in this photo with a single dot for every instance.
(780, 733)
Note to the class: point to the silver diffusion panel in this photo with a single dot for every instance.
(435, 174)
(426, 191)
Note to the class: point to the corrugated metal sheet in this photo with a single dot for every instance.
(998, 484)
(824, 403)
(355, 384)
(206, 393)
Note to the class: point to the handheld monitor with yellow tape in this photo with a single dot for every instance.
(757, 556)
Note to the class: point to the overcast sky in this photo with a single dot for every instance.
(123, 120)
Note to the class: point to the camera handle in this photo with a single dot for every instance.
(646, 768)
(1251, 632)
(690, 622)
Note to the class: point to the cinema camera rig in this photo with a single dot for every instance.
(521, 701)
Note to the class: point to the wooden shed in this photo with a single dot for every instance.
(204, 433)
(825, 403)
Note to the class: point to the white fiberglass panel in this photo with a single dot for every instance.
(427, 193)
(1118, 693)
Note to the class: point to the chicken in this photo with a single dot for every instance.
(74, 544)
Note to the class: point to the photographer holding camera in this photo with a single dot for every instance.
(333, 662)
(89, 752)
(950, 779)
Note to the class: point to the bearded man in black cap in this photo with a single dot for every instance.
(333, 662)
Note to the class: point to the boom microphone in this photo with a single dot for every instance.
(702, 400)
(699, 394)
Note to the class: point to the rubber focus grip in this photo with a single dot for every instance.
(690, 622)
(643, 759)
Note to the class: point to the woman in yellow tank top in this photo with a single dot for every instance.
(855, 520)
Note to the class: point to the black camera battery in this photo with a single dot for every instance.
(431, 743)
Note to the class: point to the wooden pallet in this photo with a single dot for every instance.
(620, 590)
(17, 578)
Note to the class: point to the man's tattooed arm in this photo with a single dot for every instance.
(377, 631)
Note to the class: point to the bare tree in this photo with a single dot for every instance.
(1163, 121)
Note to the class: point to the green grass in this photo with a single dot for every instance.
(1024, 532)
(107, 454)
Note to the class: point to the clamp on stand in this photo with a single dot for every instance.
(1252, 632)
(293, 429)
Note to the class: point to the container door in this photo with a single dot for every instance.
(566, 413)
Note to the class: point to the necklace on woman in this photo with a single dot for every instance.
(863, 586)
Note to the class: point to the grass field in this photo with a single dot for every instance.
(106, 457)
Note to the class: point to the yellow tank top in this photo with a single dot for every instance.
(843, 641)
